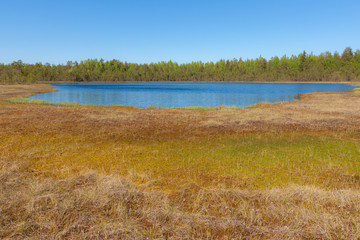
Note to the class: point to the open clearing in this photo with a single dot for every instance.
(273, 171)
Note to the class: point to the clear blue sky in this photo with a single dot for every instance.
(182, 31)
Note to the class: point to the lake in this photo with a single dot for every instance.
(180, 95)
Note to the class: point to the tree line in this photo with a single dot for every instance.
(303, 67)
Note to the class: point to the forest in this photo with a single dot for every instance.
(332, 67)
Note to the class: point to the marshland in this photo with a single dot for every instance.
(283, 170)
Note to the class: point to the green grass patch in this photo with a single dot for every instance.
(41, 102)
(22, 100)
(253, 162)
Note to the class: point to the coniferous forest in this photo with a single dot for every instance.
(303, 67)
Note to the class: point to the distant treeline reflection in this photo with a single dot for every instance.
(303, 67)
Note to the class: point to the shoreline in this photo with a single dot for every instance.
(312, 82)
(23, 99)
(159, 169)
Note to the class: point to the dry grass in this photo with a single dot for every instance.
(91, 206)
(275, 171)
(17, 90)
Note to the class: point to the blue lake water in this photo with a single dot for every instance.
(179, 95)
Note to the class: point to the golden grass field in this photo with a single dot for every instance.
(288, 170)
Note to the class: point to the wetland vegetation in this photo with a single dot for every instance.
(274, 171)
